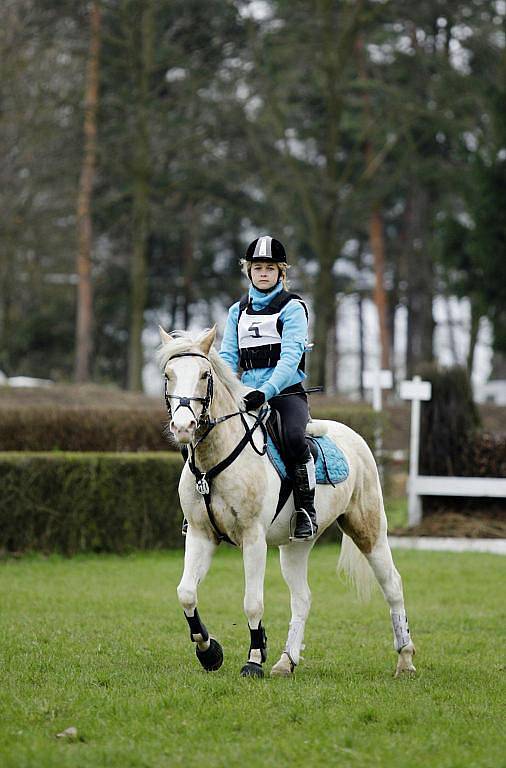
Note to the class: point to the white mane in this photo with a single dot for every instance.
(185, 341)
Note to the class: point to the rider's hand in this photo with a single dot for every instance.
(254, 400)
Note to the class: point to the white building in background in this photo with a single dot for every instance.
(450, 343)
(23, 381)
(491, 392)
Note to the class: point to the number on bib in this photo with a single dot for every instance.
(253, 329)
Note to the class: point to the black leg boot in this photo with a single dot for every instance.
(304, 483)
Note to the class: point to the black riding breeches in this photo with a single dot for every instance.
(294, 413)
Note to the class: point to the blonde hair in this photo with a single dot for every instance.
(282, 265)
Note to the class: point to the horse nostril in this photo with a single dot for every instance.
(179, 430)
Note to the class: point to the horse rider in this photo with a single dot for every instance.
(266, 336)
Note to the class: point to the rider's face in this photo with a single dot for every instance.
(264, 274)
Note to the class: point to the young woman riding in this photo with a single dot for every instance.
(266, 336)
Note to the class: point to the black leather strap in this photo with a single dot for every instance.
(209, 476)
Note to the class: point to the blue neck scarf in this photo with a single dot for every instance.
(261, 299)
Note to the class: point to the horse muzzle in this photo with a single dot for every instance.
(184, 433)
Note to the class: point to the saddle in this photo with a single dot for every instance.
(330, 463)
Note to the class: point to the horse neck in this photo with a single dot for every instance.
(224, 437)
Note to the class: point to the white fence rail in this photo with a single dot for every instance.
(428, 485)
(493, 487)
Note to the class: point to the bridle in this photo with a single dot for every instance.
(185, 402)
(203, 479)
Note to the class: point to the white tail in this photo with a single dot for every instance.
(356, 569)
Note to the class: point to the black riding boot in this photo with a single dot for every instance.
(304, 483)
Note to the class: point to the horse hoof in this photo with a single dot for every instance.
(284, 667)
(405, 670)
(252, 669)
(405, 664)
(212, 658)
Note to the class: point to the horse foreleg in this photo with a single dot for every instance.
(254, 556)
(294, 560)
(199, 551)
(381, 562)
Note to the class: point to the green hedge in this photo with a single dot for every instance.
(39, 428)
(359, 417)
(71, 503)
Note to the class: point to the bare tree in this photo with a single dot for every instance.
(141, 200)
(84, 319)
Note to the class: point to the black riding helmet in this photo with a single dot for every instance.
(266, 248)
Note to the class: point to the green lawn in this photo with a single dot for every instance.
(100, 643)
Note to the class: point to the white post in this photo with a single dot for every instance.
(416, 391)
(377, 380)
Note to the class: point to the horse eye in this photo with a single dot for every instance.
(205, 375)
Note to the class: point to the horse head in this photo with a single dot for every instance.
(188, 383)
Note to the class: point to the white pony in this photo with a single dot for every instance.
(205, 401)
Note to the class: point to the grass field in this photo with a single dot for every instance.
(99, 643)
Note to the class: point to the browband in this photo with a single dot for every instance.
(189, 354)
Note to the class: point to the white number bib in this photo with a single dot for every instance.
(257, 330)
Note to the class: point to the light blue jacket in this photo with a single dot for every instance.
(270, 381)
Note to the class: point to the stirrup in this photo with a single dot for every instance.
(293, 527)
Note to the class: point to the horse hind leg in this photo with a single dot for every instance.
(381, 561)
(294, 561)
(198, 555)
(369, 537)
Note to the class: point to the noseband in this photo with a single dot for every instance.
(185, 402)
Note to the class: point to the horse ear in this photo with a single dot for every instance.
(206, 342)
(164, 336)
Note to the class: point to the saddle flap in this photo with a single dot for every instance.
(275, 431)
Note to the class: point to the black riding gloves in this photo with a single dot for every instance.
(254, 400)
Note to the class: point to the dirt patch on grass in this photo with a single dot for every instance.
(478, 524)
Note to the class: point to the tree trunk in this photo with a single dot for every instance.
(7, 323)
(361, 345)
(331, 372)
(420, 289)
(452, 341)
(473, 337)
(377, 240)
(376, 232)
(392, 309)
(498, 366)
(141, 207)
(84, 319)
(324, 314)
(188, 263)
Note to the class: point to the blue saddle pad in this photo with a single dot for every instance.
(337, 466)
